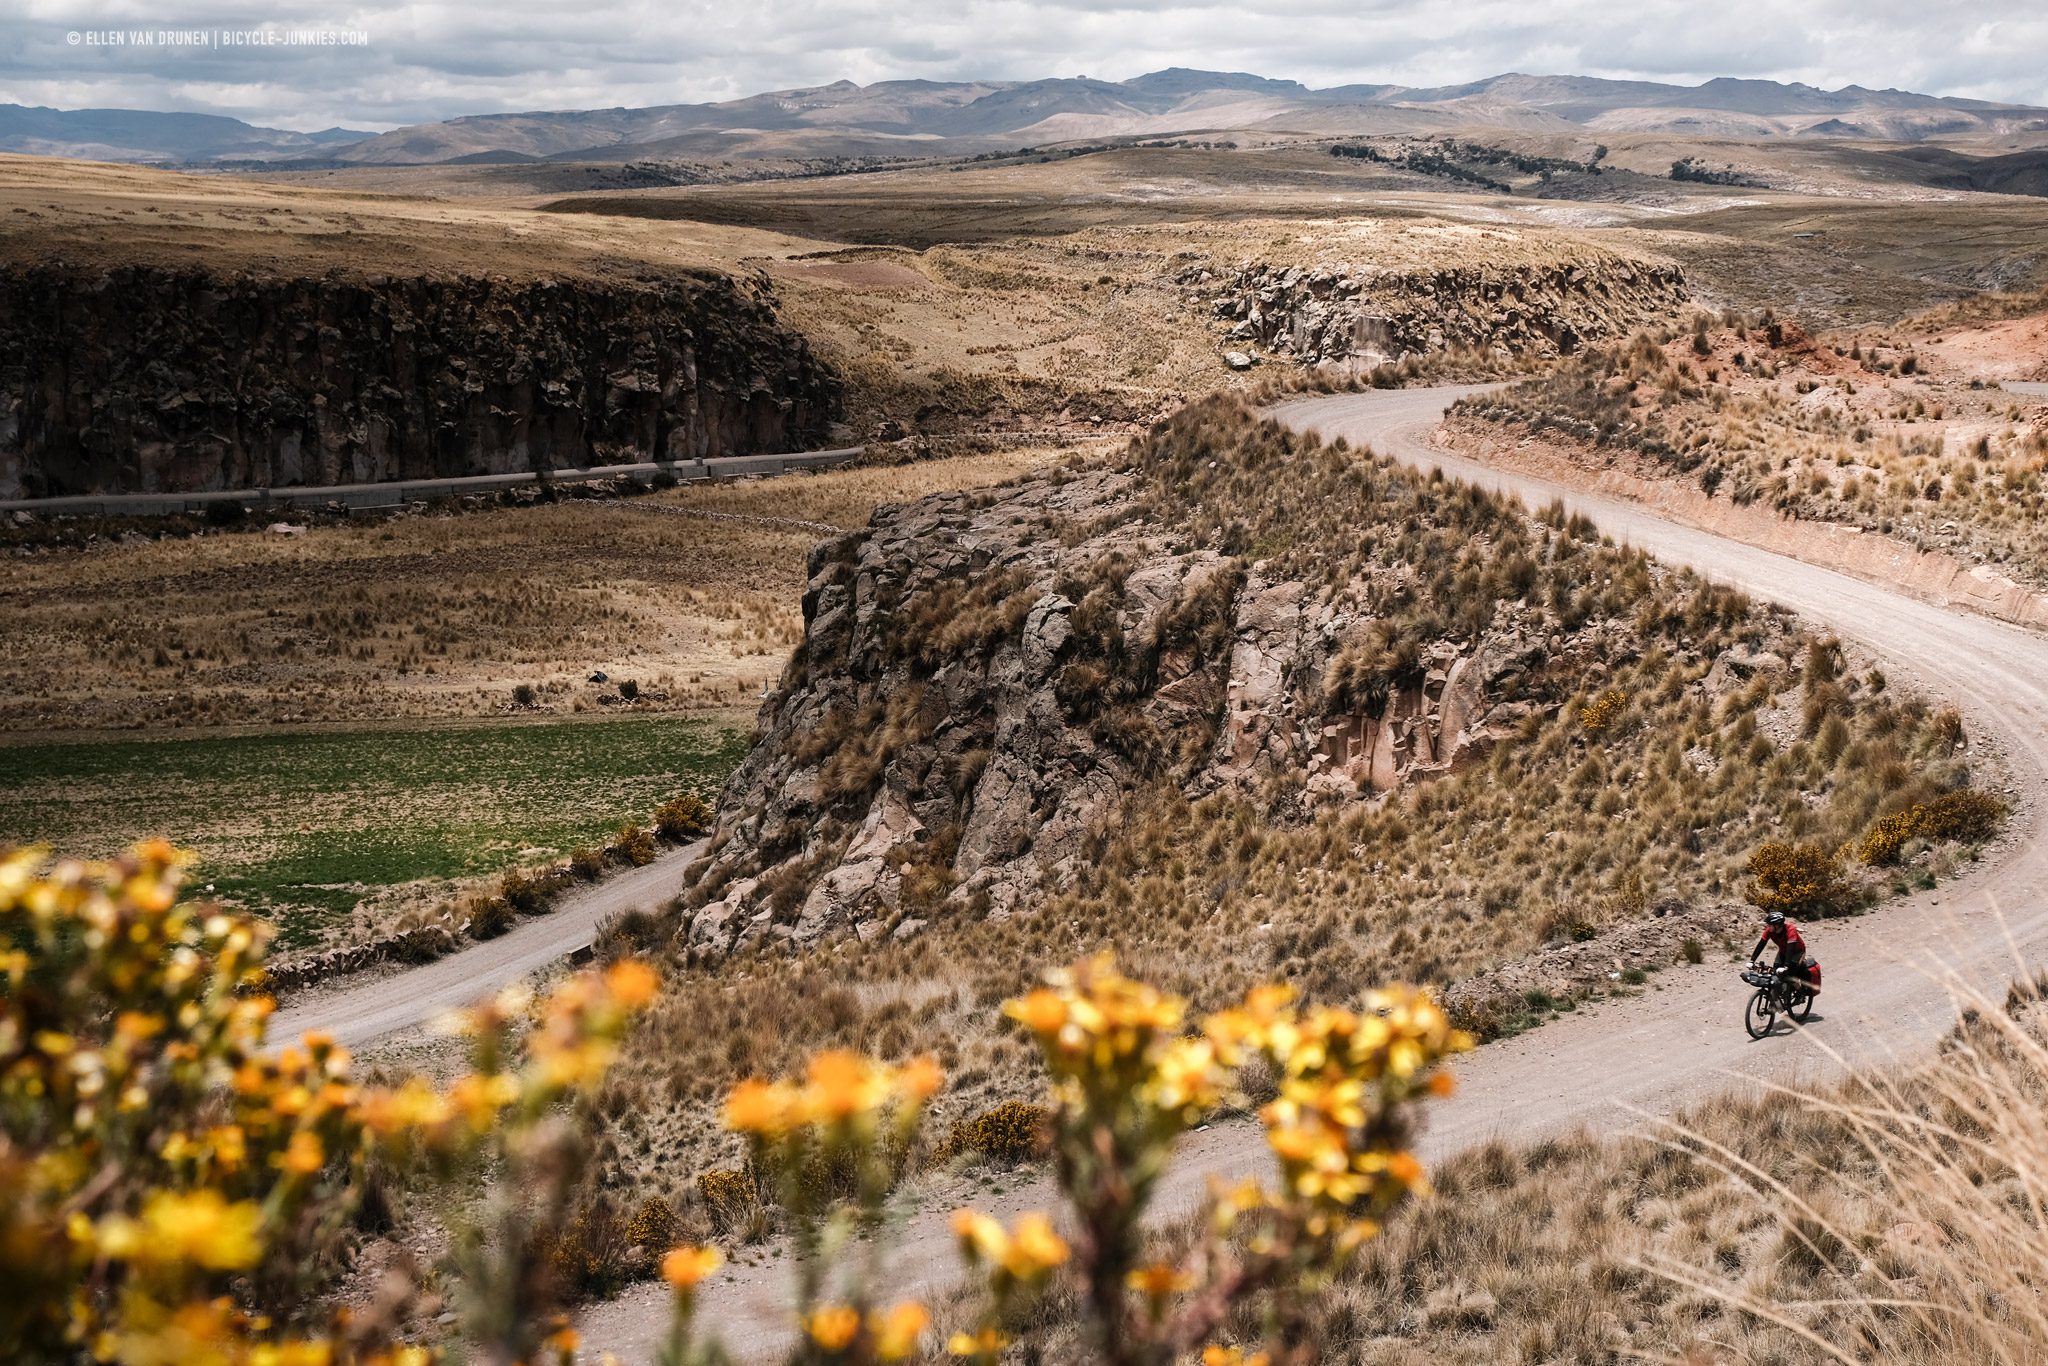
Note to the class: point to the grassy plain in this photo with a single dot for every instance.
(330, 833)
(693, 593)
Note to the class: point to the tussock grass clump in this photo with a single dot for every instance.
(1857, 432)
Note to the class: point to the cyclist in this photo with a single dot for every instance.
(1791, 948)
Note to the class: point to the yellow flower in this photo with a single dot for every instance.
(1213, 1355)
(198, 1227)
(684, 1267)
(631, 983)
(1159, 1280)
(1041, 1011)
(897, 1329)
(840, 1085)
(919, 1080)
(985, 1343)
(303, 1156)
(1027, 1254)
(833, 1327)
(1034, 1248)
(981, 1238)
(758, 1107)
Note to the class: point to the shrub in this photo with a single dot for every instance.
(629, 689)
(732, 1199)
(1961, 815)
(586, 863)
(1015, 1131)
(523, 695)
(591, 1253)
(1798, 879)
(634, 846)
(194, 1209)
(682, 817)
(1886, 839)
(654, 1226)
(1129, 1079)
(492, 918)
(525, 893)
(1603, 711)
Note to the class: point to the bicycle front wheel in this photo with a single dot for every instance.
(1762, 1015)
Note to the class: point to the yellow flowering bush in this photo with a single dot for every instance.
(174, 1191)
(1958, 815)
(1603, 711)
(1129, 1077)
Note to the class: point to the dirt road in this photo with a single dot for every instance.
(359, 1011)
(1682, 1039)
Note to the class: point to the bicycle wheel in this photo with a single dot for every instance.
(1762, 1015)
(1801, 1006)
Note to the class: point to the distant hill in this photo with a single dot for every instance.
(142, 136)
(913, 118)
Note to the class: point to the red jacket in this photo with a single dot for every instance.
(1791, 948)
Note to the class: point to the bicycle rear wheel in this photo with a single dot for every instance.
(1800, 1006)
(1761, 1017)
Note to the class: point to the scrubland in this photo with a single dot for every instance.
(691, 594)
(1891, 1218)
(1907, 432)
(1690, 726)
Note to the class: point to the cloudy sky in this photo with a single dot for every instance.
(384, 63)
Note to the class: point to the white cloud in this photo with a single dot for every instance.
(433, 59)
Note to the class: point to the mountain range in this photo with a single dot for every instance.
(917, 118)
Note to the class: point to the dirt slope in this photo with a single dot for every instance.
(1683, 1041)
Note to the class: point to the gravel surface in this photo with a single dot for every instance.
(357, 1010)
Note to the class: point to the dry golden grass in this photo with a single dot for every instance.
(1903, 433)
(693, 593)
(1089, 324)
(1895, 1219)
(1435, 883)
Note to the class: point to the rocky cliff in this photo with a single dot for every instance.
(1354, 317)
(150, 379)
(988, 681)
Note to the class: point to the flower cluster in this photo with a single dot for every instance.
(841, 1094)
(1335, 1127)
(168, 1183)
(1128, 1079)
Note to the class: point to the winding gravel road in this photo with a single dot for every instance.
(1682, 1040)
(358, 1013)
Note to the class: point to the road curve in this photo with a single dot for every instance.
(1680, 1041)
(356, 1014)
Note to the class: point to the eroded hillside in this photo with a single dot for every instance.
(1238, 705)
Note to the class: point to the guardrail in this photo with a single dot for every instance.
(398, 493)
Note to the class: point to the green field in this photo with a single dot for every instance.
(332, 834)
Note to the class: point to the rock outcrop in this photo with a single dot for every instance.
(989, 681)
(1354, 318)
(145, 379)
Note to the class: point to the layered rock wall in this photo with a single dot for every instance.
(1354, 318)
(140, 379)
